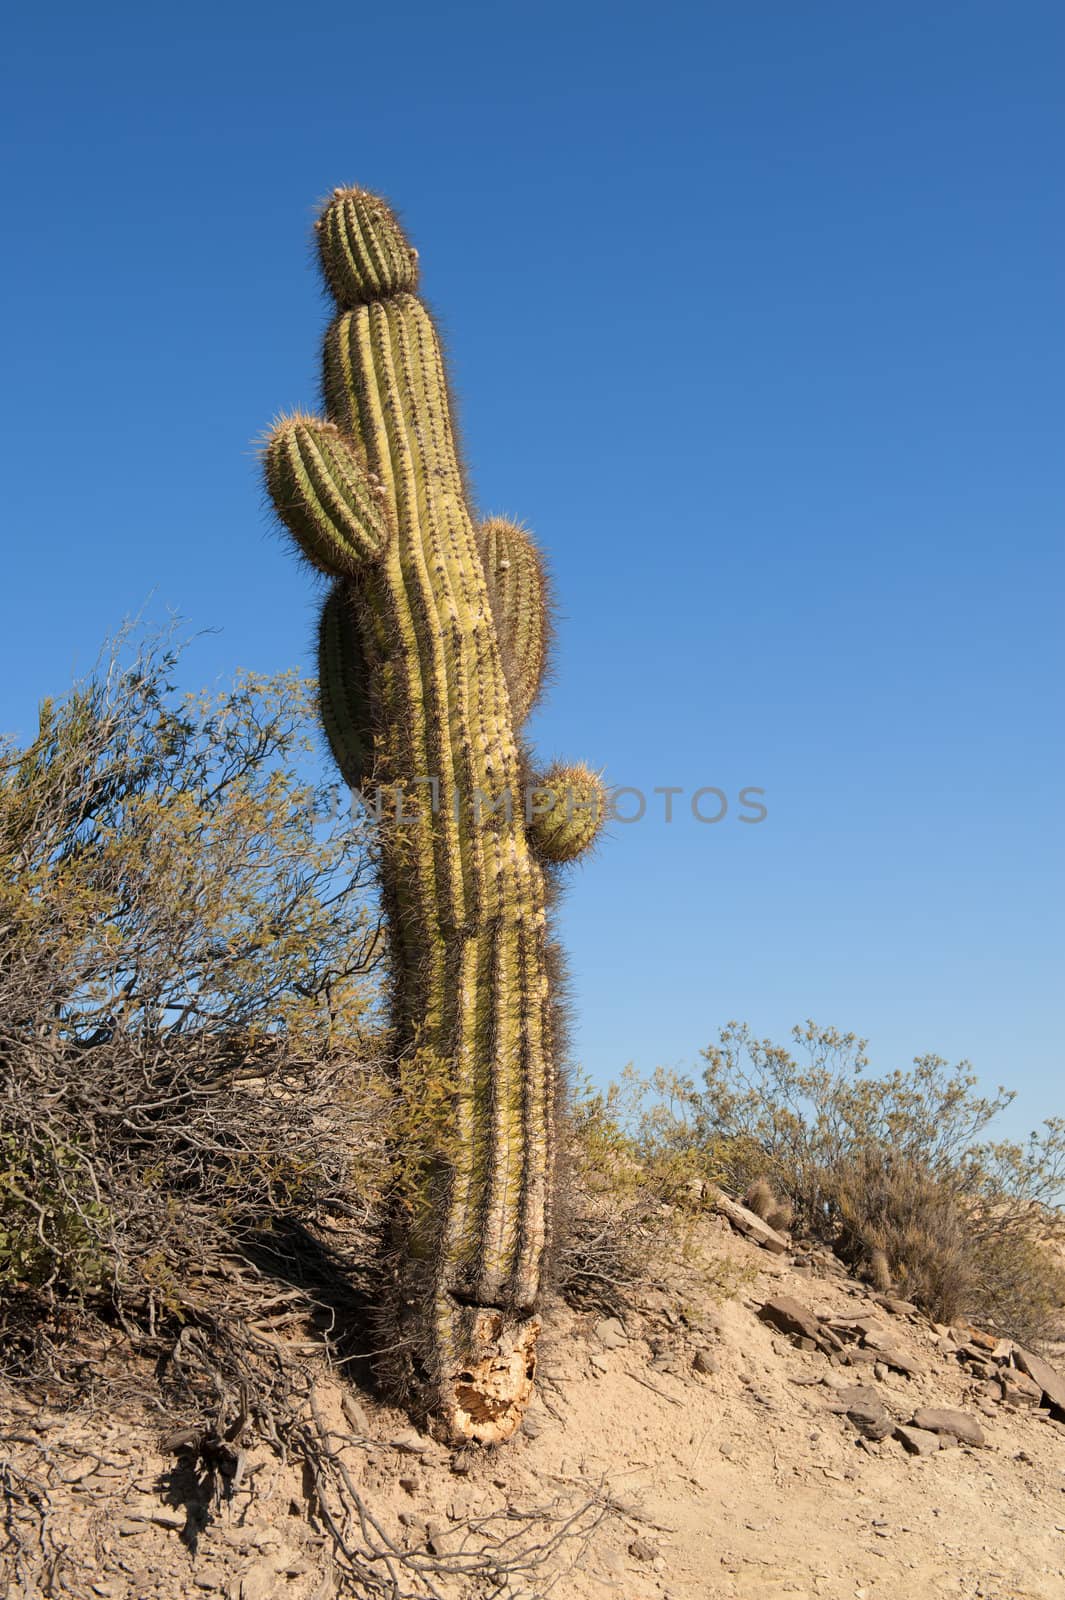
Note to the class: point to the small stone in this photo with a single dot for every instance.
(703, 1361)
(176, 1520)
(1019, 1389)
(289, 1561)
(918, 1441)
(791, 1316)
(746, 1222)
(357, 1419)
(899, 1361)
(983, 1341)
(1041, 1372)
(898, 1308)
(865, 1409)
(956, 1424)
(611, 1333)
(259, 1582)
(411, 1442)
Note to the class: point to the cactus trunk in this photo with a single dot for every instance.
(415, 697)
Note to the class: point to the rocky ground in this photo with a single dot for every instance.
(797, 1438)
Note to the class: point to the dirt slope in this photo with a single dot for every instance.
(705, 1437)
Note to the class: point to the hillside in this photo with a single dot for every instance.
(695, 1449)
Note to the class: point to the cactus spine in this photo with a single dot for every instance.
(431, 650)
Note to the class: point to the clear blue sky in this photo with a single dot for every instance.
(755, 312)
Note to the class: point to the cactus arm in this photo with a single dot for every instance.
(520, 599)
(325, 495)
(343, 688)
(566, 809)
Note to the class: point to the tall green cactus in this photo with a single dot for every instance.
(432, 649)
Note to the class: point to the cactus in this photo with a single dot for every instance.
(432, 649)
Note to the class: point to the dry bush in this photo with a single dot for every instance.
(187, 987)
(892, 1171)
(633, 1190)
(892, 1213)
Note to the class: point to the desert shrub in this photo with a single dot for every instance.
(634, 1184)
(897, 1222)
(893, 1171)
(187, 981)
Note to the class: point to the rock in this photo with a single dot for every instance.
(871, 1420)
(865, 1409)
(356, 1416)
(411, 1442)
(956, 1424)
(289, 1561)
(876, 1337)
(175, 1520)
(643, 1550)
(790, 1316)
(898, 1308)
(983, 1341)
(747, 1223)
(1042, 1373)
(703, 1361)
(899, 1361)
(259, 1582)
(918, 1441)
(611, 1334)
(1018, 1388)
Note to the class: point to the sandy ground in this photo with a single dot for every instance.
(729, 1476)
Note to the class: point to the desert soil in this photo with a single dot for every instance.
(709, 1434)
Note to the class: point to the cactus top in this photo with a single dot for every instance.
(364, 252)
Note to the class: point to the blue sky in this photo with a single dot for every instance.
(755, 313)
